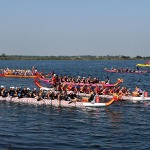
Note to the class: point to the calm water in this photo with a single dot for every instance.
(123, 125)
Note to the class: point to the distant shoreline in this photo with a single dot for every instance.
(85, 57)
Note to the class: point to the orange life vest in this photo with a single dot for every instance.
(97, 99)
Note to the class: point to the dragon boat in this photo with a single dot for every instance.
(19, 73)
(123, 71)
(79, 84)
(143, 65)
(142, 98)
(146, 64)
(57, 103)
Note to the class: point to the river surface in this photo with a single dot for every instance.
(123, 125)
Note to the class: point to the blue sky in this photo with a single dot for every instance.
(75, 27)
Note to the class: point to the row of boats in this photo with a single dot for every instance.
(32, 73)
(51, 96)
(83, 100)
(136, 98)
(136, 70)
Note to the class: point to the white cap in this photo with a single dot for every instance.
(2, 86)
(71, 92)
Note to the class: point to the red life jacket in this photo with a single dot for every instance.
(97, 99)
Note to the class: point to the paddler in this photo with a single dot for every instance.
(4, 92)
(92, 94)
(33, 93)
(12, 92)
(19, 92)
(1, 89)
(137, 92)
(96, 98)
(54, 79)
(25, 92)
(107, 80)
(72, 97)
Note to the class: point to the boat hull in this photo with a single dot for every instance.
(56, 103)
(17, 76)
(143, 65)
(130, 98)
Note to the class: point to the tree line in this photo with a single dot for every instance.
(82, 57)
